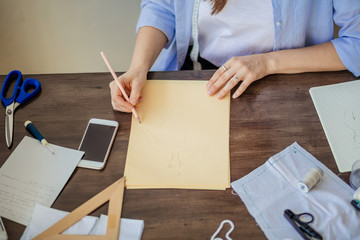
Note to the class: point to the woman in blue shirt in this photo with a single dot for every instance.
(244, 40)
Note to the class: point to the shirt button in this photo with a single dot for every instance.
(278, 23)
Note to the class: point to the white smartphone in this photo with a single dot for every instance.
(97, 142)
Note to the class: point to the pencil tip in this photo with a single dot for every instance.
(50, 149)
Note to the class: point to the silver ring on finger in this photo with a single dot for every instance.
(223, 67)
(234, 78)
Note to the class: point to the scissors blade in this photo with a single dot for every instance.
(9, 125)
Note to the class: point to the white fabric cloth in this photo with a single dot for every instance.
(241, 28)
(271, 188)
(44, 217)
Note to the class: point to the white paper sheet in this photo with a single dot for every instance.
(33, 175)
(271, 188)
(338, 107)
(130, 229)
(44, 217)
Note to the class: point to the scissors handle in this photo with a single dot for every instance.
(25, 96)
(13, 75)
(302, 227)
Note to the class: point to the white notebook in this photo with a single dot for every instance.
(338, 107)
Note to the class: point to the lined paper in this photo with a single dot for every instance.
(31, 175)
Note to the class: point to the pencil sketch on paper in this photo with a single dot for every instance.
(352, 122)
(173, 158)
(171, 168)
(338, 107)
(173, 147)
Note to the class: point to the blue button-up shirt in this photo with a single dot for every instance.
(297, 23)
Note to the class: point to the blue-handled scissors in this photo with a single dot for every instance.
(19, 96)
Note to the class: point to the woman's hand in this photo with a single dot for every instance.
(133, 82)
(246, 69)
(148, 45)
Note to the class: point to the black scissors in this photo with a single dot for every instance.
(302, 226)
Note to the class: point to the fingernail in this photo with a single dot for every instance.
(222, 93)
(133, 101)
(208, 86)
(210, 92)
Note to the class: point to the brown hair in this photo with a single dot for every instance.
(218, 6)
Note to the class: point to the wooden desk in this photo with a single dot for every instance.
(272, 114)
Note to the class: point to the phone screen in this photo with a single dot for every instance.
(96, 141)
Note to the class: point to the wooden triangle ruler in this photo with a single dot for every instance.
(112, 194)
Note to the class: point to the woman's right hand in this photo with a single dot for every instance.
(133, 82)
(148, 45)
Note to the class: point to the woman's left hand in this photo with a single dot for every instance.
(245, 68)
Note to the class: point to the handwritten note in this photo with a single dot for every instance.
(33, 175)
(338, 107)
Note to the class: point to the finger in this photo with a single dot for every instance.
(119, 108)
(127, 91)
(221, 81)
(243, 86)
(120, 104)
(122, 82)
(117, 100)
(216, 76)
(229, 85)
(135, 93)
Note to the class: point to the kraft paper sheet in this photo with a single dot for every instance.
(183, 140)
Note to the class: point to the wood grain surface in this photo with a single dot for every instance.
(272, 114)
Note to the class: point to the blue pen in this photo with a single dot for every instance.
(32, 129)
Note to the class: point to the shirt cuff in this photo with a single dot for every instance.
(348, 50)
